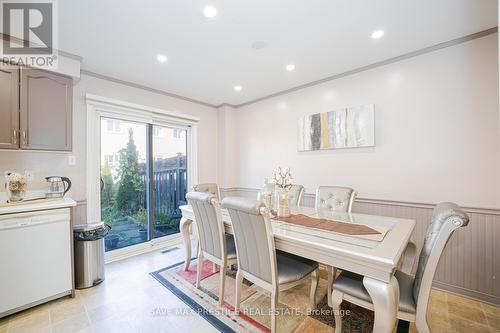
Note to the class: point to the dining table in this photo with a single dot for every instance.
(375, 257)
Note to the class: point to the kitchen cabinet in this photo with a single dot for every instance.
(36, 109)
(46, 102)
(9, 107)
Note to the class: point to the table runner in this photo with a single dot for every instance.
(329, 225)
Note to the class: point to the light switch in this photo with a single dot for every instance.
(71, 160)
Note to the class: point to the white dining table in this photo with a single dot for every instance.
(376, 260)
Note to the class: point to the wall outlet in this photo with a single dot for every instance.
(29, 174)
(71, 160)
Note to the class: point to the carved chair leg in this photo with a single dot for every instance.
(222, 281)
(337, 298)
(274, 313)
(199, 268)
(314, 288)
(239, 285)
(332, 273)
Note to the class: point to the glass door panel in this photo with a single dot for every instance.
(124, 182)
(169, 178)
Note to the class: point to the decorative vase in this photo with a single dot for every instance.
(283, 203)
(15, 187)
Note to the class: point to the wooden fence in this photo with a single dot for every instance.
(170, 185)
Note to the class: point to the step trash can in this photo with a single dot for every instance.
(89, 254)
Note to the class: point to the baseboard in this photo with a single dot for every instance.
(475, 295)
(142, 248)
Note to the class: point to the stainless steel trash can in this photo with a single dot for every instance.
(89, 254)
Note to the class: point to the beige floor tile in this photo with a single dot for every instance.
(461, 325)
(37, 317)
(29, 329)
(492, 316)
(3, 323)
(466, 308)
(64, 310)
(111, 325)
(72, 324)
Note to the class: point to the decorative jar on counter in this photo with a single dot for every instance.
(15, 186)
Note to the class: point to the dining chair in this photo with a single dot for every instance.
(414, 292)
(208, 188)
(214, 244)
(259, 261)
(296, 192)
(337, 199)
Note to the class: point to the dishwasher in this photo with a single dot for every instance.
(35, 258)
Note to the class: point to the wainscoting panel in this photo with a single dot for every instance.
(470, 264)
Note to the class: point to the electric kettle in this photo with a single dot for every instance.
(57, 186)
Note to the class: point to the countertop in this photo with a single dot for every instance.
(34, 205)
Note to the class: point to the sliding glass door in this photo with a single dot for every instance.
(169, 178)
(143, 180)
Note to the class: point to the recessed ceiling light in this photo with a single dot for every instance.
(377, 34)
(290, 67)
(210, 11)
(161, 58)
(237, 88)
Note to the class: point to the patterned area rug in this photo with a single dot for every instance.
(294, 312)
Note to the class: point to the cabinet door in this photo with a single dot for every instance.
(46, 110)
(9, 107)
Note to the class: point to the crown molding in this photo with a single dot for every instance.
(405, 56)
(389, 61)
(140, 86)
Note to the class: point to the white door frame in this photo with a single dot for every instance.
(98, 107)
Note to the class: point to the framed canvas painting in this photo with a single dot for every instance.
(351, 127)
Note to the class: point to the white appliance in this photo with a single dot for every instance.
(35, 258)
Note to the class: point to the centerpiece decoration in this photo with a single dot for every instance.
(283, 180)
(16, 186)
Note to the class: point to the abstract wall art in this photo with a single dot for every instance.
(351, 127)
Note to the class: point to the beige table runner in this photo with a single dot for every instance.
(374, 233)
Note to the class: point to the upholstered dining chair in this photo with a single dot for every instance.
(414, 292)
(208, 188)
(296, 192)
(214, 244)
(258, 260)
(337, 199)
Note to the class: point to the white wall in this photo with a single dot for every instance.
(50, 163)
(436, 130)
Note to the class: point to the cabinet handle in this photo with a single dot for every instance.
(24, 137)
(15, 136)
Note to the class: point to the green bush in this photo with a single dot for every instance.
(130, 188)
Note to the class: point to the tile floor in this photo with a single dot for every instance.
(130, 300)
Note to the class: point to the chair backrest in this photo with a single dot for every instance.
(296, 192)
(446, 218)
(209, 223)
(335, 198)
(253, 237)
(208, 188)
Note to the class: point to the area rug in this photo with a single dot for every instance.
(294, 312)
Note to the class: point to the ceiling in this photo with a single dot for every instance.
(208, 57)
